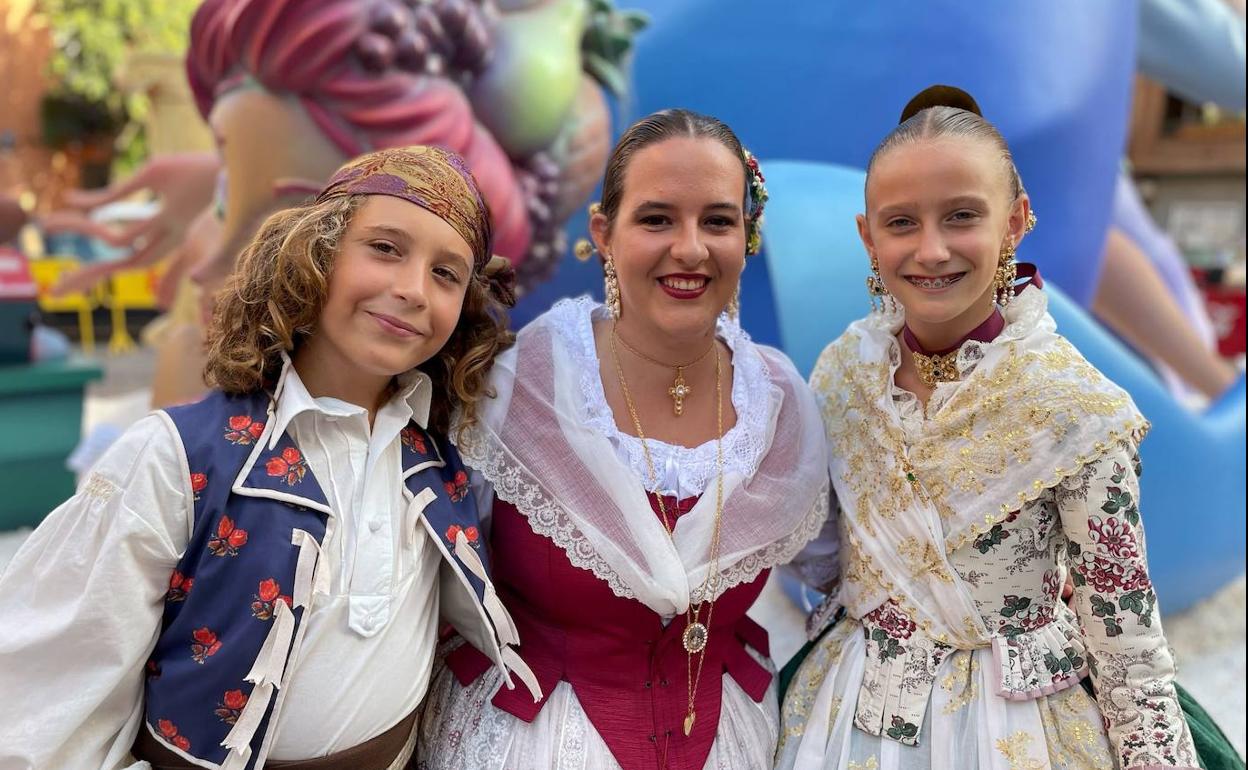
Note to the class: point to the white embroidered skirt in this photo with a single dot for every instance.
(461, 730)
(966, 726)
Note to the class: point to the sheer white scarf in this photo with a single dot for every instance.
(536, 448)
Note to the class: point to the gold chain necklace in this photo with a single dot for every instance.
(679, 389)
(697, 634)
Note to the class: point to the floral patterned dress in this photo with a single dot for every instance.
(960, 524)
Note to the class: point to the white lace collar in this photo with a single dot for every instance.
(684, 471)
(1027, 312)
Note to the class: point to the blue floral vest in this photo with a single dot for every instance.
(232, 614)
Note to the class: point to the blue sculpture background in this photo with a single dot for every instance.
(819, 84)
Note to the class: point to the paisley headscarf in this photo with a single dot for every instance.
(438, 181)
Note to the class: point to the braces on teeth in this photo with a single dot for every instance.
(933, 283)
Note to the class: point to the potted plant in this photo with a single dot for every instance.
(84, 113)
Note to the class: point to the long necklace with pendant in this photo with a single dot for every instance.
(697, 634)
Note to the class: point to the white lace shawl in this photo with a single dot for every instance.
(545, 444)
(1029, 412)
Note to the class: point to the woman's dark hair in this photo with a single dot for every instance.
(665, 124)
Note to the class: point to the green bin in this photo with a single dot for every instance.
(40, 424)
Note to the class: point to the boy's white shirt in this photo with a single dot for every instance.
(81, 602)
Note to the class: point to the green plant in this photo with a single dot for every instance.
(91, 40)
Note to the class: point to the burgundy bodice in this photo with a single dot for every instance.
(629, 672)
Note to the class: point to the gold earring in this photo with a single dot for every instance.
(1007, 274)
(611, 287)
(876, 289)
(584, 248)
(734, 304)
(1031, 220)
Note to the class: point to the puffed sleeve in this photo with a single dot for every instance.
(1132, 667)
(81, 604)
(818, 564)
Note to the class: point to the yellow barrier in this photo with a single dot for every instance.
(124, 290)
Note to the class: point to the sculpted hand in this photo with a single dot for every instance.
(183, 182)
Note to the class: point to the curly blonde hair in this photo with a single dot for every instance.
(274, 299)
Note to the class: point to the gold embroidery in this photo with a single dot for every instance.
(1074, 741)
(964, 669)
(923, 558)
(870, 764)
(1014, 749)
(99, 487)
(986, 428)
(834, 711)
(823, 659)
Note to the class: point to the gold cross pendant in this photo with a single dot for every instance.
(678, 391)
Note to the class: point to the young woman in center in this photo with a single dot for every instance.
(646, 466)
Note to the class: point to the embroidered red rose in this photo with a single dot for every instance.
(198, 482)
(414, 440)
(241, 429)
(231, 706)
(290, 464)
(457, 487)
(182, 742)
(472, 534)
(228, 540)
(267, 594)
(269, 590)
(206, 644)
(179, 587)
(167, 728)
(453, 531)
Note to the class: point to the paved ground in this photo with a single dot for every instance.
(1208, 639)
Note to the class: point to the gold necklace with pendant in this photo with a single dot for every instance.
(679, 390)
(697, 634)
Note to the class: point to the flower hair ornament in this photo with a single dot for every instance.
(757, 202)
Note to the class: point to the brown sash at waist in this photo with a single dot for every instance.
(374, 754)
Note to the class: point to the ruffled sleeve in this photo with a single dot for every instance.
(1131, 664)
(81, 604)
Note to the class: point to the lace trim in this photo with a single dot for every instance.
(1131, 433)
(780, 551)
(695, 467)
(548, 519)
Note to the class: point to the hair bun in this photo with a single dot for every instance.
(939, 96)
